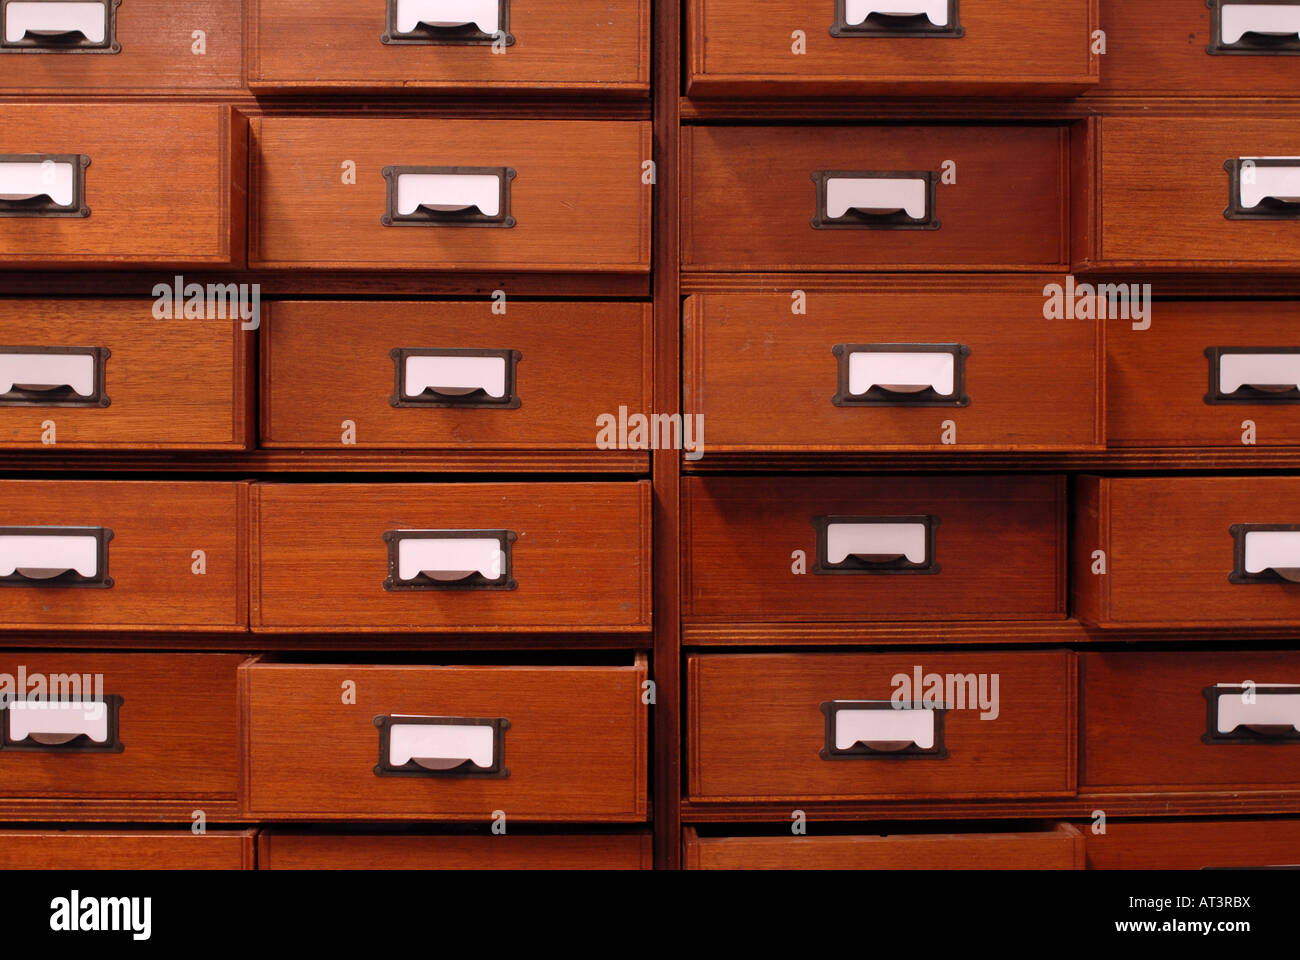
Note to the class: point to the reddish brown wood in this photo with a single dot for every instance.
(576, 747)
(581, 560)
(1000, 544)
(578, 194)
(162, 184)
(156, 529)
(756, 728)
(1031, 48)
(71, 849)
(1193, 844)
(578, 361)
(281, 849)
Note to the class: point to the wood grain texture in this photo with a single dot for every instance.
(1169, 551)
(157, 55)
(1157, 379)
(764, 378)
(756, 728)
(1056, 848)
(1194, 844)
(178, 724)
(575, 749)
(162, 184)
(156, 527)
(749, 198)
(1000, 544)
(1142, 716)
(1163, 190)
(1034, 47)
(280, 849)
(582, 559)
(583, 46)
(577, 195)
(173, 384)
(71, 849)
(578, 361)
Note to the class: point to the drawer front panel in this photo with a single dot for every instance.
(287, 850)
(1194, 844)
(126, 850)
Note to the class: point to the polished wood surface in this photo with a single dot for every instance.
(764, 377)
(575, 749)
(71, 849)
(581, 560)
(175, 384)
(578, 361)
(157, 527)
(756, 728)
(1193, 844)
(1000, 544)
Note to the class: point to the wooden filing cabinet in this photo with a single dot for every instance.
(583, 47)
(118, 734)
(446, 376)
(1185, 551)
(812, 48)
(123, 555)
(975, 370)
(132, 185)
(1195, 844)
(287, 849)
(451, 557)
(560, 195)
(545, 743)
(127, 849)
(857, 549)
(914, 198)
(111, 374)
(813, 727)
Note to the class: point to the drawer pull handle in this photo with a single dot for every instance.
(1265, 553)
(43, 185)
(882, 728)
(472, 23)
(1250, 713)
(1263, 188)
(455, 378)
(415, 746)
(448, 197)
(75, 725)
(866, 545)
(1254, 375)
(59, 26)
(53, 376)
(1270, 27)
(901, 375)
(54, 556)
(450, 559)
(875, 200)
(896, 18)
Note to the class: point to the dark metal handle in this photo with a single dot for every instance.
(53, 33)
(900, 394)
(33, 576)
(893, 23)
(849, 216)
(35, 197)
(449, 34)
(891, 562)
(1232, 34)
(417, 388)
(1284, 390)
(866, 748)
(1247, 732)
(419, 578)
(62, 382)
(60, 742)
(443, 215)
(1240, 575)
(1267, 207)
(438, 766)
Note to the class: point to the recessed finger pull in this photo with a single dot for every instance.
(423, 746)
(882, 728)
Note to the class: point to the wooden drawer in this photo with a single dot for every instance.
(981, 355)
(903, 847)
(149, 47)
(134, 555)
(808, 48)
(1162, 48)
(166, 728)
(566, 743)
(576, 557)
(141, 383)
(64, 849)
(794, 727)
(1167, 200)
(576, 198)
(158, 184)
(752, 197)
(284, 849)
(586, 46)
(1171, 548)
(1187, 381)
(553, 369)
(1194, 844)
(762, 548)
(1186, 721)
